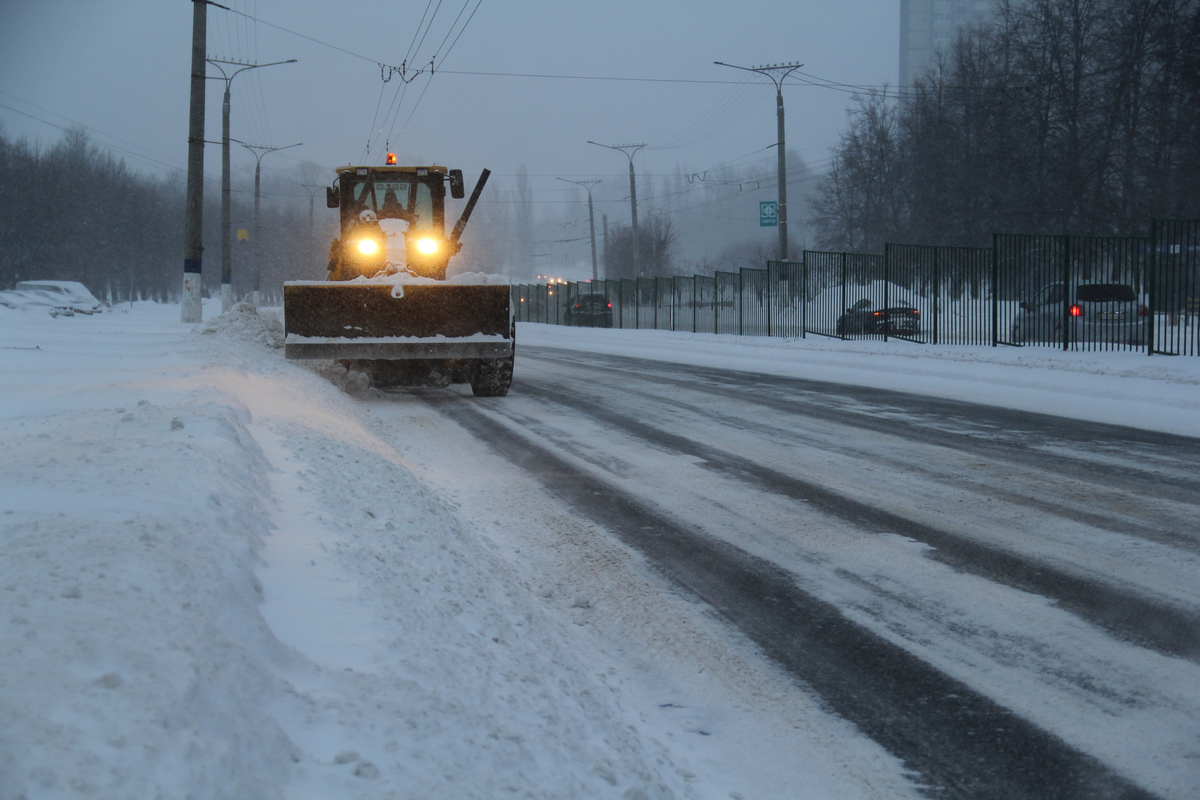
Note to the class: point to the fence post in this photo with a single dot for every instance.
(1153, 293)
(1066, 279)
(678, 301)
(804, 299)
(845, 300)
(768, 299)
(995, 290)
(887, 318)
(937, 290)
(741, 299)
(717, 328)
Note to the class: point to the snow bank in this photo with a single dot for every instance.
(217, 583)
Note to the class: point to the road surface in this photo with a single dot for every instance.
(1005, 602)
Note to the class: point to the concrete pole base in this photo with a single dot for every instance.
(190, 311)
(226, 297)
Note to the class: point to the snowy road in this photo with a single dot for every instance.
(665, 566)
(996, 597)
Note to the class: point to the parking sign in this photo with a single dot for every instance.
(768, 214)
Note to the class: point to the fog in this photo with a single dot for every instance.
(514, 85)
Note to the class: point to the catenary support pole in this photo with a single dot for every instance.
(777, 73)
(226, 224)
(193, 230)
(629, 150)
(259, 151)
(588, 184)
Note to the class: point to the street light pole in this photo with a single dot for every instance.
(226, 260)
(591, 219)
(258, 156)
(629, 150)
(777, 73)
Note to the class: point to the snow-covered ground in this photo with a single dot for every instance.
(218, 580)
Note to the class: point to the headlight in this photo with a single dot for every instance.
(368, 247)
(427, 246)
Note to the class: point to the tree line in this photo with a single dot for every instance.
(73, 211)
(1058, 116)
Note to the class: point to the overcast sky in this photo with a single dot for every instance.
(625, 71)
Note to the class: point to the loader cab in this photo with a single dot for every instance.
(414, 195)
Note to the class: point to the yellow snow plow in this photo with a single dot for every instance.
(387, 308)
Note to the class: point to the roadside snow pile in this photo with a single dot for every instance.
(136, 663)
(217, 582)
(243, 321)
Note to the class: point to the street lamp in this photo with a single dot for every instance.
(226, 263)
(591, 218)
(784, 70)
(629, 150)
(258, 156)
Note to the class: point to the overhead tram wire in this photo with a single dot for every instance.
(416, 32)
(434, 59)
(813, 80)
(728, 109)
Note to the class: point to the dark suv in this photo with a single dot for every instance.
(589, 310)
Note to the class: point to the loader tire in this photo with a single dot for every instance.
(492, 376)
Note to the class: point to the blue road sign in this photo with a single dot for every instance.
(768, 214)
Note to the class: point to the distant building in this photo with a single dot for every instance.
(927, 25)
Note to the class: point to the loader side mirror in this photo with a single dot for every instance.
(332, 200)
(457, 189)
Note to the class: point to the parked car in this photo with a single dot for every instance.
(60, 298)
(589, 310)
(893, 321)
(1098, 312)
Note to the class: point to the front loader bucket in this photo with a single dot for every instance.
(344, 320)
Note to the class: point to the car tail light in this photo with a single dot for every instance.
(1076, 311)
(1143, 311)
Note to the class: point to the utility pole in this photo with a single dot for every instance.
(312, 190)
(258, 156)
(629, 150)
(591, 219)
(777, 73)
(193, 228)
(226, 261)
(605, 218)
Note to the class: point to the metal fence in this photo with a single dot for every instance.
(1174, 287)
(1086, 293)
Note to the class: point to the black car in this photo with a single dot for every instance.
(894, 321)
(589, 310)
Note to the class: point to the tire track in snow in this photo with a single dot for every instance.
(1012, 436)
(1131, 616)
(960, 742)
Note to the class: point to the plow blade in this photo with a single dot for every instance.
(334, 320)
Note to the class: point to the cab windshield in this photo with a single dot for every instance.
(391, 197)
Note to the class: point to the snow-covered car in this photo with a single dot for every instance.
(894, 321)
(1098, 312)
(60, 298)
